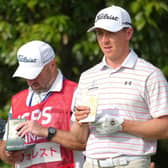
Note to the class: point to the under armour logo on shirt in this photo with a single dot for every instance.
(128, 83)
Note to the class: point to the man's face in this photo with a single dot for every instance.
(44, 80)
(113, 44)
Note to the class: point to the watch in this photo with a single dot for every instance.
(51, 132)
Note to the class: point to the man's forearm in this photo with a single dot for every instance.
(3, 155)
(151, 129)
(74, 139)
(68, 140)
(80, 131)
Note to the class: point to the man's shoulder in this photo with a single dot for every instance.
(92, 70)
(148, 66)
(149, 70)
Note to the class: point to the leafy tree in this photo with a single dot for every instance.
(63, 24)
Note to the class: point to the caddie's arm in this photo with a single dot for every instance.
(68, 139)
(9, 157)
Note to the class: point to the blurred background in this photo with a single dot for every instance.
(63, 24)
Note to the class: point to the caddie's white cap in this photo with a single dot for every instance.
(112, 19)
(32, 58)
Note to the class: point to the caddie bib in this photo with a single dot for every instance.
(52, 112)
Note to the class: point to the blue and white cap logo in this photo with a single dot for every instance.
(32, 58)
(22, 58)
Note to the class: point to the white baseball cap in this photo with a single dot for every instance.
(32, 58)
(112, 19)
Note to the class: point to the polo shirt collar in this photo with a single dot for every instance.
(129, 62)
(58, 83)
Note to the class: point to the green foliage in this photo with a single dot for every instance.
(165, 71)
(63, 24)
(3, 165)
(150, 32)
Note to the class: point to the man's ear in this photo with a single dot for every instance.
(130, 32)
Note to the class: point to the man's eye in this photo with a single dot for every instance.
(99, 33)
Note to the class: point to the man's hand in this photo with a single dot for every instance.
(81, 112)
(9, 157)
(108, 125)
(14, 156)
(33, 127)
(152, 165)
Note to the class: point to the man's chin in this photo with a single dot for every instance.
(36, 89)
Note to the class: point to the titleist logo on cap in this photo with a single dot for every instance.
(106, 16)
(22, 58)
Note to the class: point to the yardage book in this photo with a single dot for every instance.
(15, 142)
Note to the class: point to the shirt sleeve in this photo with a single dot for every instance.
(157, 94)
(73, 105)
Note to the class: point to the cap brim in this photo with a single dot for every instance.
(27, 72)
(91, 29)
(110, 29)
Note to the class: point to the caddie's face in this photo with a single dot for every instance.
(114, 45)
(44, 80)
